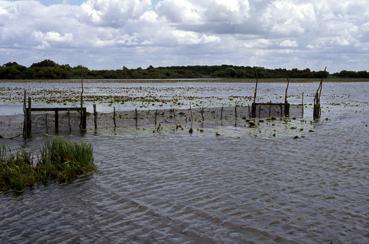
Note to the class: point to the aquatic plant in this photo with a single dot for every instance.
(60, 160)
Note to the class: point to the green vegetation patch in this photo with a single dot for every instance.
(59, 161)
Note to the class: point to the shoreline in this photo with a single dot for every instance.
(189, 80)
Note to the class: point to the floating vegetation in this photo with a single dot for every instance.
(59, 161)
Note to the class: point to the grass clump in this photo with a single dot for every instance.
(59, 161)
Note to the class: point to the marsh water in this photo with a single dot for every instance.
(236, 187)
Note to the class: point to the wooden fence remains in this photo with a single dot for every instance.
(27, 125)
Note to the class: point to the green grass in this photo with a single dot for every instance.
(59, 161)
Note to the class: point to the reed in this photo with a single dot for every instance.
(59, 161)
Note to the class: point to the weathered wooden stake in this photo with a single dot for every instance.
(302, 103)
(46, 124)
(82, 124)
(235, 115)
(136, 117)
(95, 116)
(221, 114)
(191, 129)
(29, 118)
(286, 104)
(155, 118)
(69, 125)
(25, 114)
(202, 114)
(114, 119)
(56, 121)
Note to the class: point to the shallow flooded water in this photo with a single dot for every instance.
(234, 188)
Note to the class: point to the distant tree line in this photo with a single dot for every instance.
(49, 69)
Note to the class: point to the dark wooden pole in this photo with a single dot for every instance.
(29, 118)
(235, 115)
(46, 123)
(25, 114)
(155, 118)
(69, 125)
(114, 119)
(56, 121)
(95, 116)
(136, 117)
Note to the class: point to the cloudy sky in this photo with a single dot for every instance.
(133, 33)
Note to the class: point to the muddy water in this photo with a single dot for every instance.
(233, 188)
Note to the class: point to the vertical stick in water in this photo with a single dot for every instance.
(114, 119)
(25, 114)
(29, 118)
(69, 125)
(155, 118)
(191, 129)
(136, 117)
(221, 114)
(95, 116)
(46, 124)
(82, 124)
(235, 115)
(302, 104)
(56, 121)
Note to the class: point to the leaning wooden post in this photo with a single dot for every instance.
(29, 118)
(317, 109)
(114, 119)
(253, 106)
(56, 121)
(95, 116)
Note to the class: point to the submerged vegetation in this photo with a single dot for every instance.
(59, 161)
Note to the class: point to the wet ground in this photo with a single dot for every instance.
(242, 185)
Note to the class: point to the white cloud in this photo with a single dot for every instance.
(112, 33)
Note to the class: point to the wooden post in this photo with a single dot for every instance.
(302, 103)
(95, 116)
(29, 118)
(221, 114)
(317, 109)
(114, 119)
(46, 124)
(202, 114)
(253, 110)
(25, 115)
(191, 129)
(82, 124)
(84, 114)
(69, 125)
(235, 116)
(155, 118)
(56, 121)
(136, 117)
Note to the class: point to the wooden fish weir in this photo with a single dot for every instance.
(28, 109)
(285, 107)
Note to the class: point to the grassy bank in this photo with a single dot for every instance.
(59, 161)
